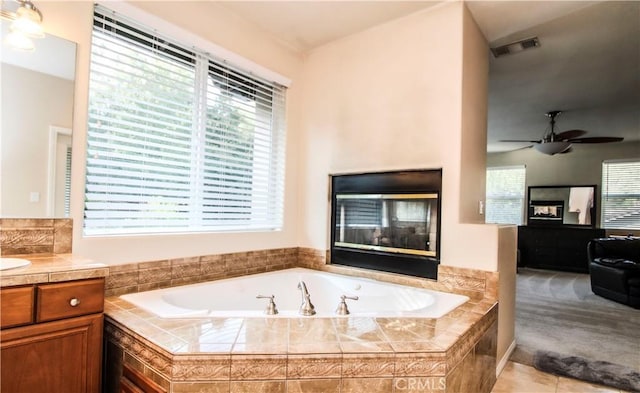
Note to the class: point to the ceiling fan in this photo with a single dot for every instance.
(553, 143)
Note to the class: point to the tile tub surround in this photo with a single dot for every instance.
(35, 236)
(454, 353)
(144, 276)
(287, 354)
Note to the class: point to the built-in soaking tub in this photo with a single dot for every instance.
(236, 297)
(215, 336)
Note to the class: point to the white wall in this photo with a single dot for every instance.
(31, 102)
(581, 166)
(73, 21)
(394, 97)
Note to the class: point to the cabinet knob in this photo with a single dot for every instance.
(74, 302)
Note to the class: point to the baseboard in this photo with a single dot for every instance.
(505, 358)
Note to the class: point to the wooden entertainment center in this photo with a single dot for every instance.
(556, 248)
(561, 222)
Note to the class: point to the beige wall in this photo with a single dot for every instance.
(31, 102)
(580, 167)
(73, 21)
(393, 97)
(475, 70)
(506, 292)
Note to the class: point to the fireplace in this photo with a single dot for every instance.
(387, 221)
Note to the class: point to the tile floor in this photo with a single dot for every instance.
(518, 378)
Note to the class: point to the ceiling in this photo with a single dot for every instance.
(305, 25)
(588, 63)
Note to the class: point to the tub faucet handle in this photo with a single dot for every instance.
(271, 306)
(342, 307)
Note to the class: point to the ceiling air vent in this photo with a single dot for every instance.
(515, 47)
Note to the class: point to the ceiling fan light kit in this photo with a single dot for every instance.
(553, 143)
(552, 148)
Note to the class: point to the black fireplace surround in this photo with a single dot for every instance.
(388, 221)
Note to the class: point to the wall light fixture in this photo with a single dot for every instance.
(26, 24)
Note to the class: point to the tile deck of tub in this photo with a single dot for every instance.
(298, 335)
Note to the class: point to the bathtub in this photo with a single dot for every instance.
(236, 297)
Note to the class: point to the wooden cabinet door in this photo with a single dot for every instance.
(54, 357)
(133, 381)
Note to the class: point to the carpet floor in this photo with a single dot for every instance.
(556, 311)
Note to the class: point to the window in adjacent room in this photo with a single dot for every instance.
(505, 195)
(178, 141)
(621, 194)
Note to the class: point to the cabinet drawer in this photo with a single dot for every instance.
(16, 307)
(69, 299)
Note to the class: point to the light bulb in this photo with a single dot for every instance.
(28, 21)
(17, 40)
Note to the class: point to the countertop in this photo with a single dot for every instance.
(52, 268)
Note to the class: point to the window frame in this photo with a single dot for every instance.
(210, 62)
(522, 197)
(605, 194)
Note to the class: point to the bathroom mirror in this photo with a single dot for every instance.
(35, 133)
(562, 205)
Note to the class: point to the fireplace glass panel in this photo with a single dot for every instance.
(396, 223)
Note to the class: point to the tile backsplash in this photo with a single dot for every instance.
(35, 236)
(145, 276)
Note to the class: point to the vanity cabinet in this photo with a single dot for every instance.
(51, 337)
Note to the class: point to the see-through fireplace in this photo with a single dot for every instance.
(387, 221)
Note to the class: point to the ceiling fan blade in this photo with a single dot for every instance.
(570, 134)
(519, 140)
(597, 139)
(522, 148)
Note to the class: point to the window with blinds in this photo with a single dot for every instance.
(178, 140)
(621, 194)
(505, 195)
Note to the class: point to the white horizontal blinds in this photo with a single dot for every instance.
(505, 195)
(243, 152)
(621, 194)
(140, 124)
(174, 144)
